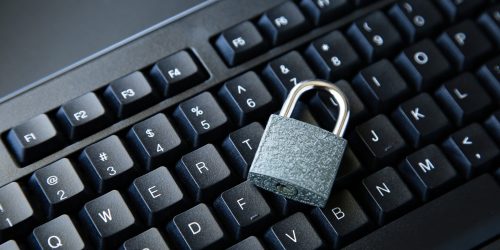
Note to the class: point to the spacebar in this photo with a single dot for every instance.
(460, 219)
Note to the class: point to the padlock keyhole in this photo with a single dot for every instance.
(286, 190)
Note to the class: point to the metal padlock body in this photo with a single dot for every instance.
(297, 160)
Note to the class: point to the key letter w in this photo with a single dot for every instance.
(106, 215)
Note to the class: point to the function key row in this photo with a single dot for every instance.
(90, 113)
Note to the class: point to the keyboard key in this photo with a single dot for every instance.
(423, 65)
(324, 11)
(465, 44)
(490, 75)
(326, 108)
(57, 233)
(472, 150)
(58, 187)
(380, 86)
(457, 9)
(202, 119)
(287, 71)
(429, 172)
(374, 36)
(469, 211)
(9, 245)
(416, 19)
(240, 147)
(150, 239)
(421, 120)
(34, 139)
(490, 21)
(463, 99)
(333, 57)
(129, 95)
(157, 196)
(283, 206)
(377, 142)
(342, 220)
(283, 22)
(243, 210)
(204, 173)
(493, 125)
(350, 169)
(108, 220)
(155, 141)
(294, 232)
(83, 116)
(250, 243)
(108, 164)
(386, 195)
(176, 73)
(16, 214)
(246, 98)
(196, 228)
(240, 43)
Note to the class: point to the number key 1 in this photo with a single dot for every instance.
(246, 97)
(58, 186)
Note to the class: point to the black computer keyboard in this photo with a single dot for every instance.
(423, 82)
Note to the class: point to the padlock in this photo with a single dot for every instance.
(299, 160)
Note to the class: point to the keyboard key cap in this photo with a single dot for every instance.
(421, 120)
(129, 95)
(283, 206)
(241, 145)
(16, 214)
(34, 139)
(377, 142)
(246, 98)
(463, 99)
(155, 141)
(243, 210)
(465, 44)
(493, 125)
(423, 65)
(83, 116)
(204, 173)
(283, 22)
(150, 239)
(9, 245)
(324, 11)
(240, 43)
(490, 75)
(59, 233)
(416, 19)
(202, 119)
(380, 86)
(490, 21)
(108, 164)
(157, 196)
(287, 71)
(294, 232)
(196, 228)
(326, 108)
(429, 172)
(333, 57)
(250, 243)
(58, 187)
(342, 220)
(176, 73)
(108, 220)
(457, 9)
(470, 211)
(386, 195)
(350, 169)
(374, 36)
(472, 150)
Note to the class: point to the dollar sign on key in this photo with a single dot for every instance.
(150, 133)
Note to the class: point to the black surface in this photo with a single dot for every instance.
(70, 32)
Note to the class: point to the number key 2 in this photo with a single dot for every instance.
(246, 97)
(202, 118)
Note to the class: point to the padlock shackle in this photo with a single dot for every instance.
(336, 93)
